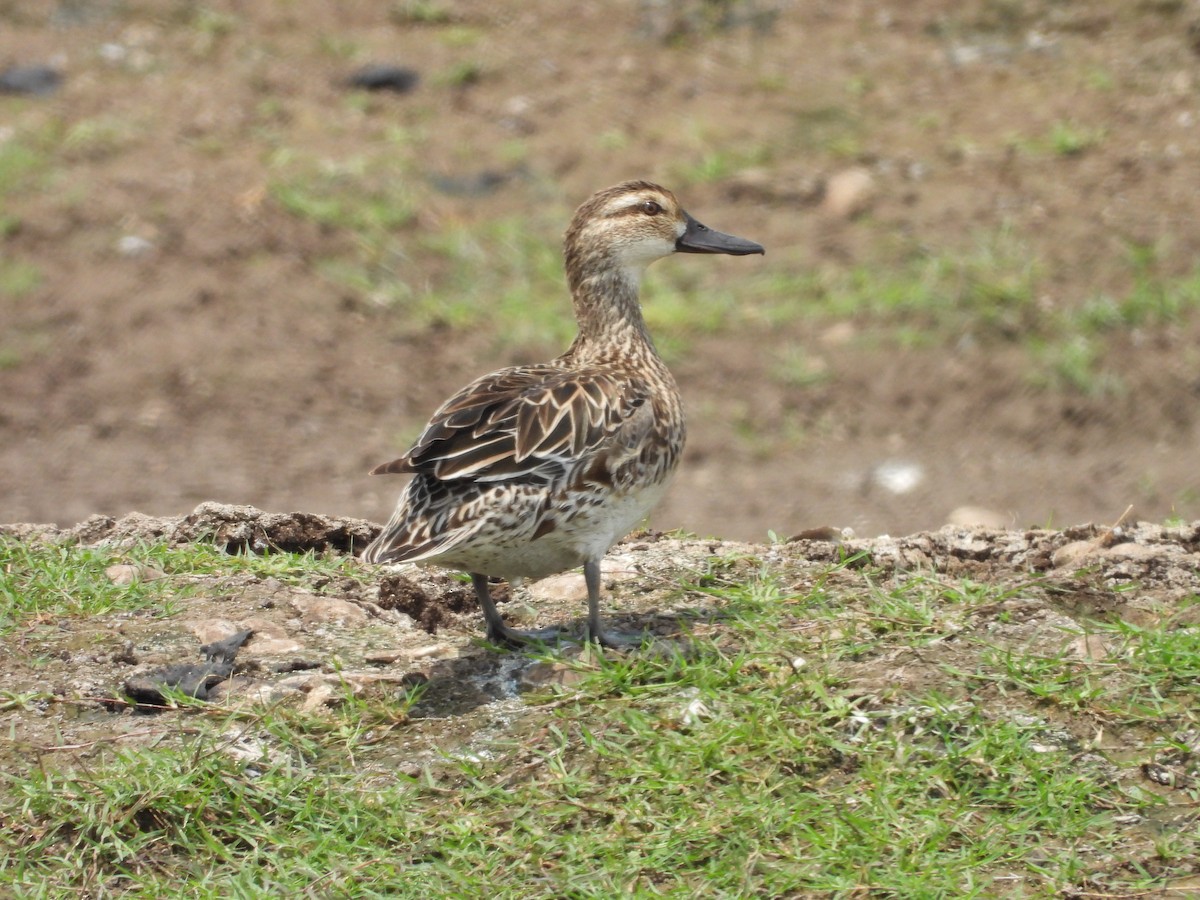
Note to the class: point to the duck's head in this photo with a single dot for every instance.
(630, 225)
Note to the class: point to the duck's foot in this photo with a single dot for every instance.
(510, 638)
(619, 640)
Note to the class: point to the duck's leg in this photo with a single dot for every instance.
(498, 632)
(591, 575)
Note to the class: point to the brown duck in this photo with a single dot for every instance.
(533, 470)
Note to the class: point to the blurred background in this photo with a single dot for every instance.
(246, 248)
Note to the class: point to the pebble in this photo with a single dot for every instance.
(850, 192)
(128, 573)
(546, 674)
(328, 611)
(132, 246)
(898, 476)
(33, 80)
(383, 77)
(568, 587)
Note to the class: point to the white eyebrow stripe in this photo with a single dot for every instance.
(629, 202)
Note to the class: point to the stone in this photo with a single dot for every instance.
(128, 573)
(549, 674)
(213, 630)
(569, 587)
(849, 193)
(328, 611)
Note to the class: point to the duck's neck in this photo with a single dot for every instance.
(609, 313)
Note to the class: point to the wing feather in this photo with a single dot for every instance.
(526, 424)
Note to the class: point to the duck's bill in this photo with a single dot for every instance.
(699, 238)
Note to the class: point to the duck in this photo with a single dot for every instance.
(534, 470)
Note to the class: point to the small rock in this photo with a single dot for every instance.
(898, 476)
(384, 657)
(131, 245)
(1073, 554)
(977, 516)
(303, 683)
(1132, 551)
(694, 711)
(128, 573)
(274, 646)
(213, 630)
(328, 611)
(383, 77)
(192, 679)
(35, 80)
(569, 587)
(432, 650)
(545, 674)
(322, 695)
(849, 193)
(263, 628)
(520, 613)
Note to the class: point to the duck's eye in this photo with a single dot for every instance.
(652, 207)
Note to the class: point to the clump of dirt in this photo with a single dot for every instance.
(235, 529)
(430, 611)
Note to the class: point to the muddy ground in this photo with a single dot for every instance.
(170, 334)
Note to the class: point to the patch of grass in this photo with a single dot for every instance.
(461, 74)
(20, 161)
(990, 293)
(44, 582)
(461, 36)
(420, 12)
(48, 582)
(986, 291)
(1069, 139)
(1073, 363)
(346, 195)
(504, 273)
(739, 764)
(98, 138)
(1065, 138)
(18, 278)
(1154, 299)
(796, 367)
(833, 130)
(715, 165)
(308, 569)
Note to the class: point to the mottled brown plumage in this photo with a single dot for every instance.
(532, 470)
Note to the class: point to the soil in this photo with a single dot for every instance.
(181, 345)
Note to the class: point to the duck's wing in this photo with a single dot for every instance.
(531, 424)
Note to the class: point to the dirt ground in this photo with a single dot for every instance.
(169, 338)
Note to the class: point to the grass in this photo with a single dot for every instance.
(62, 581)
(20, 163)
(752, 761)
(18, 278)
(502, 275)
